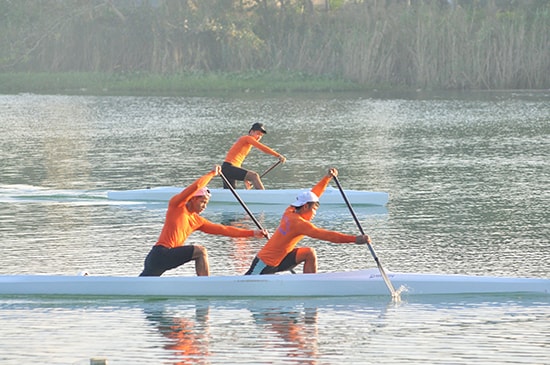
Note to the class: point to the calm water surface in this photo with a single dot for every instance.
(468, 178)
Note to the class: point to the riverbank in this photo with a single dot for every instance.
(179, 84)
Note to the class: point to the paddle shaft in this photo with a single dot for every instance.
(271, 168)
(246, 208)
(380, 268)
(241, 202)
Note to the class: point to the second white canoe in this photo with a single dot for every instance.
(273, 196)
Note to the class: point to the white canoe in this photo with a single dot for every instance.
(352, 283)
(273, 196)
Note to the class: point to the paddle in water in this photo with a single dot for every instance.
(395, 294)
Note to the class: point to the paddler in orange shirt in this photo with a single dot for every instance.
(182, 219)
(280, 254)
(231, 167)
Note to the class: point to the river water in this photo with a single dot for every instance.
(468, 177)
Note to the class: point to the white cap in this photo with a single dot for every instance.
(203, 192)
(305, 197)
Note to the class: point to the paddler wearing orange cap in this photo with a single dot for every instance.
(182, 219)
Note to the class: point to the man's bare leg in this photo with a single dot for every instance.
(200, 255)
(254, 178)
(308, 256)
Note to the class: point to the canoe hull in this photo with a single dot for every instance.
(281, 196)
(353, 283)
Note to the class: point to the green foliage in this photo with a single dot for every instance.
(188, 83)
(425, 44)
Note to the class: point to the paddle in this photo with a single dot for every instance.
(271, 168)
(241, 201)
(393, 293)
(245, 207)
(249, 186)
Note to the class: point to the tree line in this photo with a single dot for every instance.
(438, 44)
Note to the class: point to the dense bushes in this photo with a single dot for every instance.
(413, 44)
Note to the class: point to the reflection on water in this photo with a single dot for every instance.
(420, 330)
(243, 249)
(297, 328)
(187, 336)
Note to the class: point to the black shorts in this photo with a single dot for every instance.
(258, 267)
(161, 258)
(233, 174)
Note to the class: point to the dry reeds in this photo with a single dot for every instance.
(421, 44)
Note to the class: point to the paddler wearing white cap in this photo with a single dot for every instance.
(280, 252)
